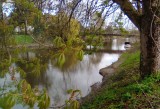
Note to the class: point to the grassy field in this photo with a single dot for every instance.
(126, 90)
(23, 39)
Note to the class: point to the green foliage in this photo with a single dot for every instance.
(4, 65)
(61, 59)
(72, 43)
(44, 100)
(5, 33)
(95, 41)
(8, 101)
(58, 42)
(126, 96)
(5, 29)
(72, 103)
(71, 46)
(130, 60)
(123, 31)
(22, 72)
(106, 2)
(146, 86)
(80, 55)
(39, 25)
(26, 95)
(33, 66)
(24, 14)
(59, 26)
(11, 40)
(75, 43)
(74, 28)
(30, 97)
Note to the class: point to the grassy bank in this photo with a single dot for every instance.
(125, 89)
(23, 39)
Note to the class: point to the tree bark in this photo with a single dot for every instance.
(150, 39)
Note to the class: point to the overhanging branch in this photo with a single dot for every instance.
(127, 7)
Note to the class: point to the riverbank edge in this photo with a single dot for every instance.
(125, 89)
(106, 73)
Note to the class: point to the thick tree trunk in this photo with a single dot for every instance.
(150, 40)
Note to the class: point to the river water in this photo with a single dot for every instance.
(74, 74)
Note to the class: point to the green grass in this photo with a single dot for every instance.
(126, 90)
(23, 39)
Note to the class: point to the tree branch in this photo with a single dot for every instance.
(127, 7)
(73, 10)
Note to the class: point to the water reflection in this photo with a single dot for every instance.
(43, 72)
(118, 44)
(74, 74)
(81, 77)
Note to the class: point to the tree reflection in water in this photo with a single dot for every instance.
(42, 70)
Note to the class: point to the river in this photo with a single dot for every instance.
(74, 74)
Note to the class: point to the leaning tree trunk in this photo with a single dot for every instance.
(150, 39)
